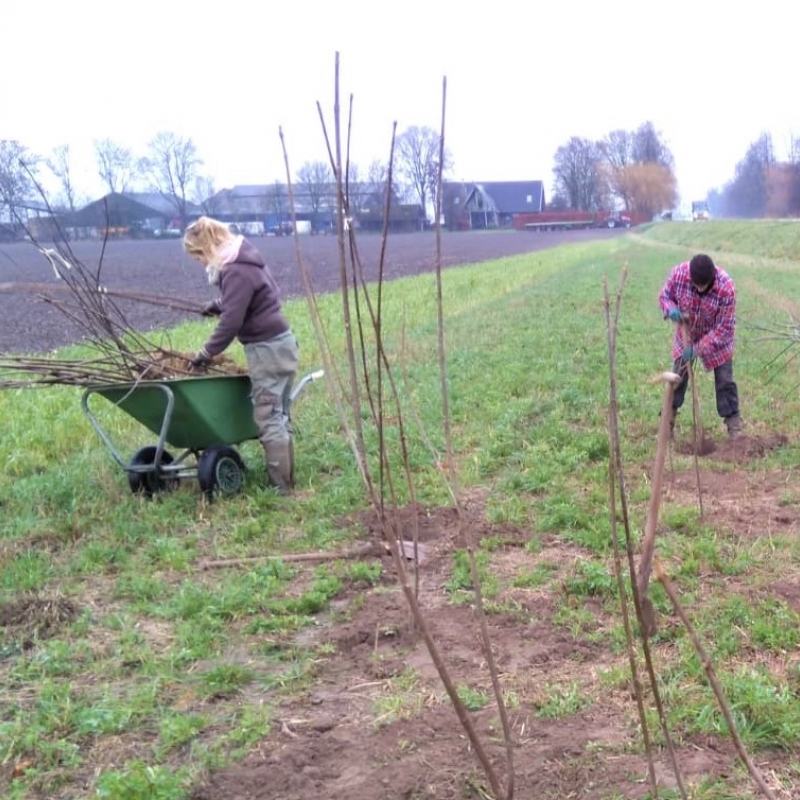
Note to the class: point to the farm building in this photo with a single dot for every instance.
(27, 217)
(267, 208)
(254, 209)
(489, 204)
(133, 214)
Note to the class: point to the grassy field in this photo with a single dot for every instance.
(129, 672)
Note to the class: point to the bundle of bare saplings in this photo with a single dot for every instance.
(112, 350)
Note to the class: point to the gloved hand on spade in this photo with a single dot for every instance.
(676, 315)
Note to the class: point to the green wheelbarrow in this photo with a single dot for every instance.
(203, 417)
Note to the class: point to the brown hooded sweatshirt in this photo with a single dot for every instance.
(249, 302)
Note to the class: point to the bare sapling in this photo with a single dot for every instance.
(670, 380)
(616, 479)
(708, 667)
(370, 395)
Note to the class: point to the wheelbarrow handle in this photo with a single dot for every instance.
(312, 376)
(169, 407)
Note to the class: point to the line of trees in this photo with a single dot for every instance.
(633, 168)
(762, 186)
(172, 167)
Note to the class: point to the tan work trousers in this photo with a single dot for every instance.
(273, 367)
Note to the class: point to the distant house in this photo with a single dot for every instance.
(134, 214)
(489, 204)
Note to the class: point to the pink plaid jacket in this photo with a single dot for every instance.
(711, 317)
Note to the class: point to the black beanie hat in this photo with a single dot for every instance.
(702, 270)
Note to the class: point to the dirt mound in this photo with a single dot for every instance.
(740, 450)
(30, 616)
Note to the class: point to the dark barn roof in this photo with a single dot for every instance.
(122, 209)
(513, 197)
(489, 204)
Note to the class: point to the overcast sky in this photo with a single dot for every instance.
(523, 76)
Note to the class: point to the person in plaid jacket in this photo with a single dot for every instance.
(701, 299)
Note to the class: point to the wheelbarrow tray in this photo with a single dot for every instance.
(207, 410)
(203, 416)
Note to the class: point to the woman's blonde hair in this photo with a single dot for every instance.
(204, 236)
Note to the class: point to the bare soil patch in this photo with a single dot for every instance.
(29, 325)
(337, 740)
(740, 450)
(357, 735)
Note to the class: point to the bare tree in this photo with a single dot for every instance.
(367, 194)
(747, 195)
(617, 149)
(17, 180)
(417, 153)
(794, 170)
(316, 180)
(578, 174)
(558, 202)
(780, 180)
(116, 165)
(172, 165)
(204, 194)
(716, 202)
(378, 182)
(650, 188)
(278, 201)
(358, 194)
(622, 150)
(648, 147)
(60, 165)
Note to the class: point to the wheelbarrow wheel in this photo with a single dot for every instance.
(150, 482)
(220, 468)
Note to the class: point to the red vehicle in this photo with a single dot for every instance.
(615, 220)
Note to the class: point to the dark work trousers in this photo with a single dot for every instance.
(724, 388)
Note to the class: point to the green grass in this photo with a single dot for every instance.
(156, 638)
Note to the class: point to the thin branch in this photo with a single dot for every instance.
(708, 666)
(615, 470)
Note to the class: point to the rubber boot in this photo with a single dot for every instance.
(734, 426)
(280, 466)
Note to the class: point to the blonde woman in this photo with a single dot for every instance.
(249, 309)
